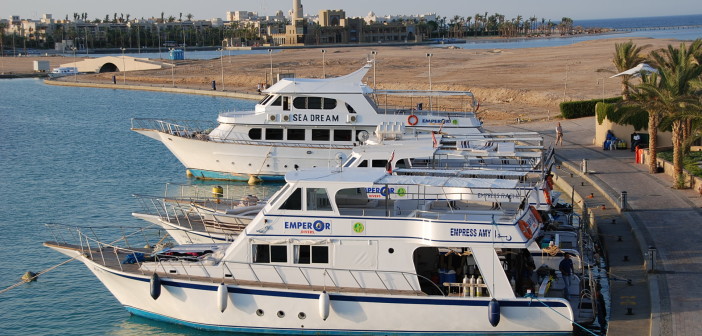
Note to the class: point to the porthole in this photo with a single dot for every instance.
(286, 166)
(302, 316)
(281, 314)
(391, 250)
(259, 312)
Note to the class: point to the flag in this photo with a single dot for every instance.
(433, 139)
(388, 166)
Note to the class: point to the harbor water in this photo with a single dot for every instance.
(67, 156)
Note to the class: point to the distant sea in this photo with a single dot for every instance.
(642, 22)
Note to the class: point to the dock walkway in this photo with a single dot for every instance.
(667, 300)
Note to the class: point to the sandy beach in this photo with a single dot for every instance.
(509, 83)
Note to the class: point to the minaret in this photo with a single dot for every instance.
(297, 10)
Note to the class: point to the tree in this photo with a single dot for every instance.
(626, 56)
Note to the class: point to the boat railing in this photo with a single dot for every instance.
(147, 260)
(183, 128)
(451, 103)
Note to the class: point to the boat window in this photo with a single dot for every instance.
(329, 104)
(350, 161)
(274, 134)
(348, 107)
(286, 103)
(379, 163)
(261, 253)
(255, 134)
(300, 102)
(402, 163)
(279, 253)
(294, 202)
(278, 101)
(265, 99)
(314, 103)
(296, 134)
(342, 135)
(363, 164)
(320, 135)
(317, 199)
(306, 254)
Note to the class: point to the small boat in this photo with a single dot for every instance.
(322, 257)
(63, 71)
(306, 123)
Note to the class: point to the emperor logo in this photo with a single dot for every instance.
(383, 191)
(308, 227)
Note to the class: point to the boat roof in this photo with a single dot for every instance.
(347, 84)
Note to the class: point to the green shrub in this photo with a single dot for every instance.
(583, 108)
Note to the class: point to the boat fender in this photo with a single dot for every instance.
(412, 120)
(222, 294)
(324, 305)
(526, 230)
(155, 286)
(494, 312)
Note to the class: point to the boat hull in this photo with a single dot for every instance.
(258, 309)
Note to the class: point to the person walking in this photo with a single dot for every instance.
(567, 270)
(559, 134)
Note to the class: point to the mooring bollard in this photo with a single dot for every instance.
(652, 258)
(622, 201)
(214, 86)
(583, 166)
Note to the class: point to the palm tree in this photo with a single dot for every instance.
(626, 56)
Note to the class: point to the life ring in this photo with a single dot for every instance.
(526, 230)
(547, 194)
(412, 120)
(536, 214)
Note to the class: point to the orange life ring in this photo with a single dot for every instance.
(526, 230)
(547, 194)
(412, 120)
(536, 214)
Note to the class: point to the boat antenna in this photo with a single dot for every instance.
(492, 292)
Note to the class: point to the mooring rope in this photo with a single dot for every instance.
(37, 275)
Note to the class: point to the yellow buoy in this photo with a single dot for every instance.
(29, 276)
(217, 192)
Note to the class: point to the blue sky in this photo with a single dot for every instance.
(206, 9)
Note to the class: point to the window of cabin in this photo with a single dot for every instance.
(379, 163)
(363, 164)
(320, 135)
(265, 99)
(348, 107)
(311, 254)
(296, 134)
(278, 194)
(255, 134)
(317, 199)
(264, 253)
(329, 104)
(342, 135)
(350, 161)
(278, 101)
(274, 134)
(300, 102)
(314, 103)
(294, 202)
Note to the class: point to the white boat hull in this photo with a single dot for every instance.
(196, 304)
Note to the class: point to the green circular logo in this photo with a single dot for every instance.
(401, 192)
(454, 121)
(358, 227)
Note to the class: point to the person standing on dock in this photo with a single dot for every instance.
(567, 270)
(559, 134)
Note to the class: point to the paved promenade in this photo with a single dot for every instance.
(657, 215)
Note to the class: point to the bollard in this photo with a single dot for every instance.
(629, 311)
(584, 166)
(214, 86)
(114, 80)
(619, 238)
(614, 221)
(652, 258)
(622, 200)
(626, 258)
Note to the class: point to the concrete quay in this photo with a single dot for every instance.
(663, 296)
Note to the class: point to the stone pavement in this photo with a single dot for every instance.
(668, 300)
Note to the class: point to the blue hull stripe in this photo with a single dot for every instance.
(289, 331)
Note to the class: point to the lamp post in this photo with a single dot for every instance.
(124, 68)
(75, 68)
(324, 70)
(221, 63)
(603, 87)
(430, 88)
(270, 56)
(373, 52)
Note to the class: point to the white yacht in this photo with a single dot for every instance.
(63, 71)
(323, 258)
(306, 123)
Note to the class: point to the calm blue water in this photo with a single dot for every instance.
(67, 156)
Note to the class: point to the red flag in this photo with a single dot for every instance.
(388, 166)
(433, 139)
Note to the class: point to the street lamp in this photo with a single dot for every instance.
(124, 67)
(373, 52)
(270, 56)
(430, 88)
(603, 87)
(221, 63)
(75, 68)
(324, 70)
